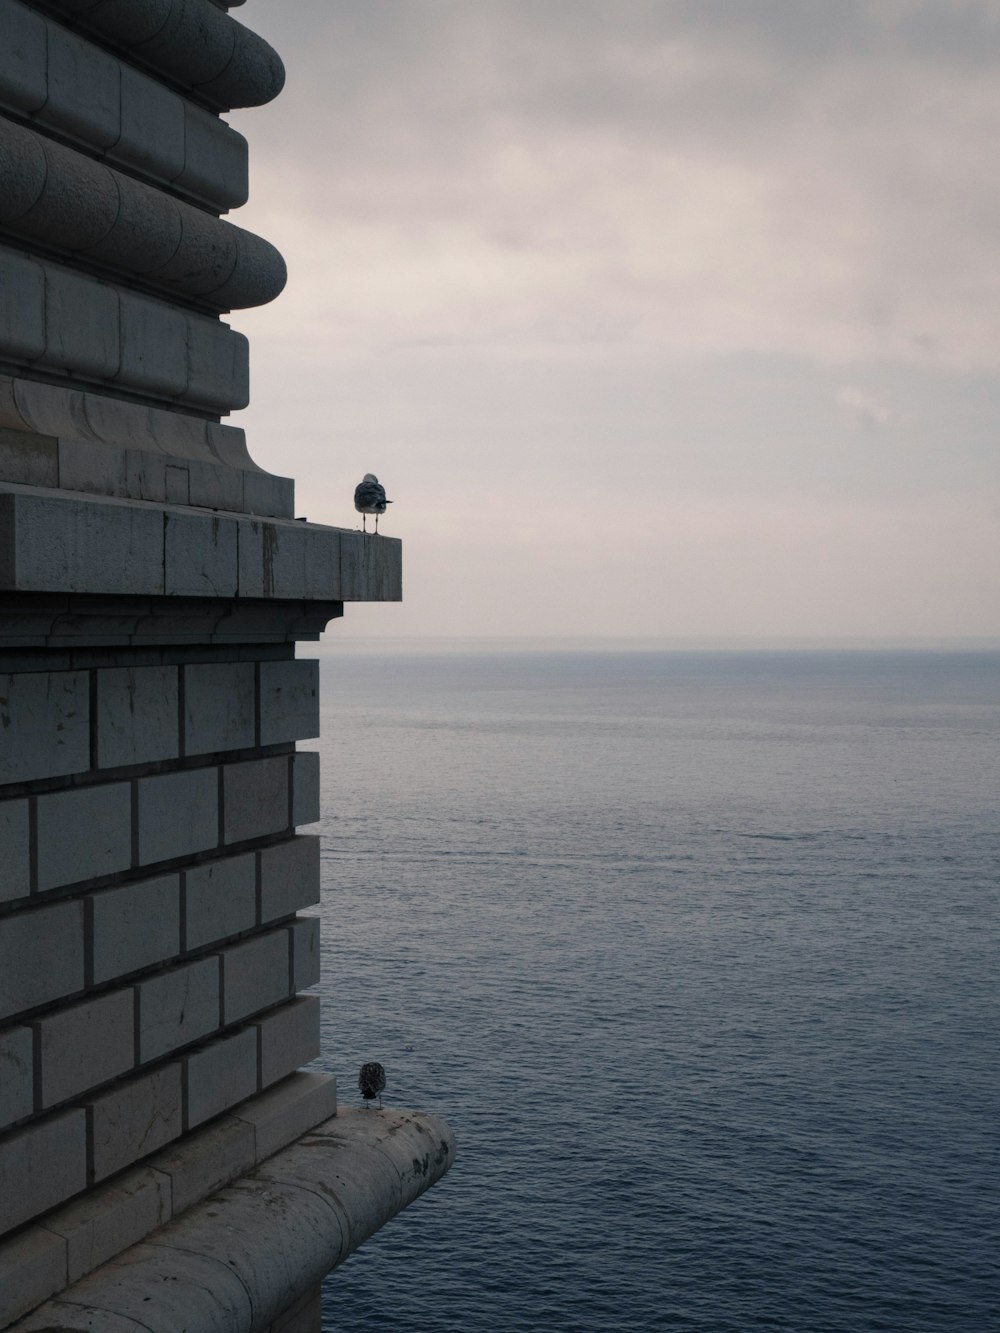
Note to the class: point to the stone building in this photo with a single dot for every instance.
(164, 1163)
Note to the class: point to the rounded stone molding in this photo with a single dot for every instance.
(66, 200)
(191, 42)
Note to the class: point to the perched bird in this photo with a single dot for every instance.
(369, 498)
(371, 1082)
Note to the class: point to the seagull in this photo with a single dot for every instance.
(371, 1081)
(369, 498)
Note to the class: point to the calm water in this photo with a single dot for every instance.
(698, 955)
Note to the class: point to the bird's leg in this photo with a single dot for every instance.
(364, 522)
(376, 522)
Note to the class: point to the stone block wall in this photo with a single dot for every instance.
(150, 948)
(154, 960)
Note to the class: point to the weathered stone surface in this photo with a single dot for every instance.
(256, 798)
(41, 1166)
(135, 926)
(178, 814)
(219, 707)
(277, 1232)
(289, 877)
(84, 833)
(220, 899)
(220, 1075)
(289, 701)
(305, 952)
(305, 787)
(289, 1037)
(24, 72)
(137, 720)
(177, 1007)
(16, 1075)
(207, 1158)
(83, 87)
(45, 725)
(85, 1045)
(32, 1268)
(22, 306)
(109, 1219)
(41, 957)
(15, 868)
(255, 975)
(135, 1118)
(288, 1109)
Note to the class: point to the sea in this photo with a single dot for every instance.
(697, 952)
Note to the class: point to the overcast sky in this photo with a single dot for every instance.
(655, 317)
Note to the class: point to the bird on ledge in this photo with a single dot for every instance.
(371, 1082)
(369, 498)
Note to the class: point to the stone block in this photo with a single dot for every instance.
(110, 1218)
(203, 1162)
(215, 161)
(215, 486)
(178, 814)
(17, 1098)
(152, 127)
(84, 1046)
(134, 1119)
(41, 1166)
(30, 460)
(24, 82)
(221, 1075)
(255, 975)
(84, 89)
(22, 306)
(15, 877)
(93, 467)
(289, 701)
(45, 724)
(84, 833)
(289, 560)
(286, 1111)
(32, 1268)
(137, 715)
(63, 544)
(218, 366)
(289, 1037)
(41, 957)
(289, 877)
(199, 556)
(220, 900)
(305, 952)
(177, 1008)
(81, 324)
(305, 787)
(135, 926)
(153, 346)
(266, 494)
(146, 476)
(255, 798)
(219, 707)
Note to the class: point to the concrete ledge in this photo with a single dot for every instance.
(245, 1256)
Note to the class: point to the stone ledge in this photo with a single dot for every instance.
(55, 541)
(43, 1259)
(244, 1256)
